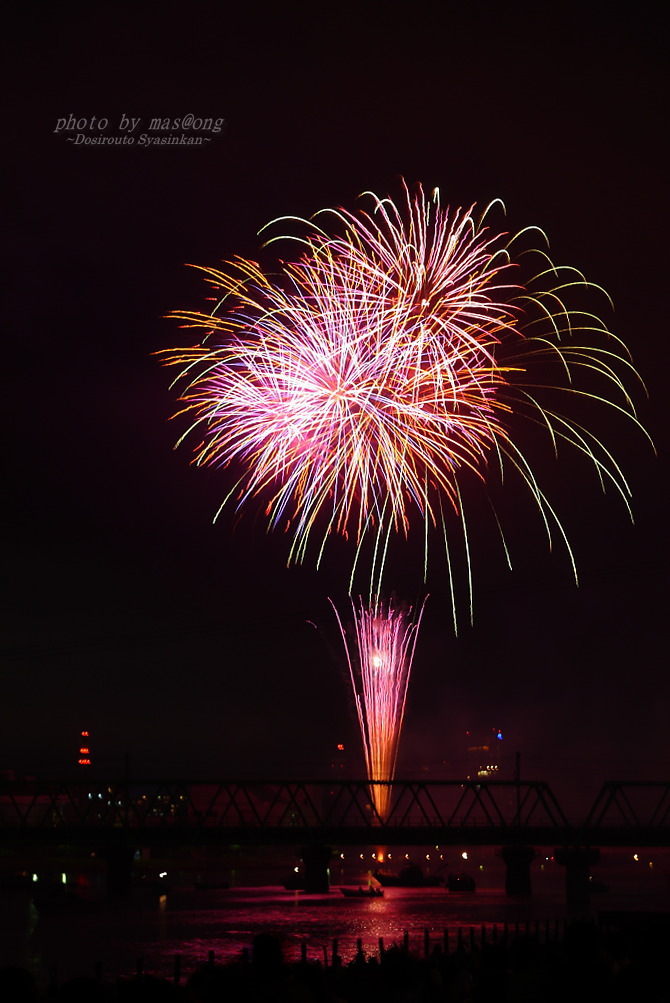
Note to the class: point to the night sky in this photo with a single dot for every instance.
(187, 648)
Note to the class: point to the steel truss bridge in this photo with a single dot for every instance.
(159, 812)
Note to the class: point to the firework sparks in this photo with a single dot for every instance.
(358, 387)
(379, 655)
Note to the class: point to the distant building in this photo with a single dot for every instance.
(338, 761)
(484, 754)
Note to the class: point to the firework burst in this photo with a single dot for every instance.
(356, 389)
(380, 649)
(358, 386)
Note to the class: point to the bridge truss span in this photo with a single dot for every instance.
(343, 811)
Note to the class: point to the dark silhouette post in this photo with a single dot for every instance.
(517, 857)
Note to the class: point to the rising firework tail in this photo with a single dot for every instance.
(358, 387)
(379, 645)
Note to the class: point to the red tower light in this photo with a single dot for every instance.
(84, 750)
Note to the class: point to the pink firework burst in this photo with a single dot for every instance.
(360, 385)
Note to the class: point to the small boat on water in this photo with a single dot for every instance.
(17, 882)
(56, 900)
(409, 877)
(363, 893)
(295, 883)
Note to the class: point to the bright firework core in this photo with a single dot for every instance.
(359, 387)
(380, 648)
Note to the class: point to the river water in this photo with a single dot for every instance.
(158, 926)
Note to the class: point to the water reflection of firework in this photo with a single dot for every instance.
(379, 654)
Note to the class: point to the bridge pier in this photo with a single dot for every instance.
(119, 869)
(517, 862)
(316, 860)
(578, 861)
